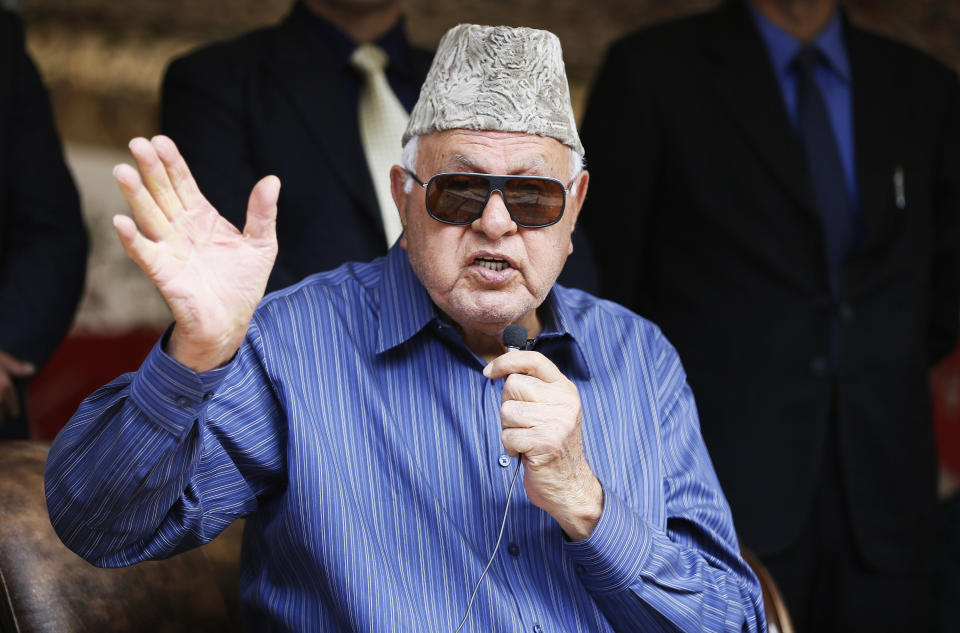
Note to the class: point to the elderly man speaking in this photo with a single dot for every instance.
(367, 422)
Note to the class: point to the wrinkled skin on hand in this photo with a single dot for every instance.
(210, 274)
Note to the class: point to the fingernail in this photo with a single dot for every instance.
(486, 371)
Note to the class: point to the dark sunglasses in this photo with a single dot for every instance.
(460, 198)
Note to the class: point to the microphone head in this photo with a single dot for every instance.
(515, 336)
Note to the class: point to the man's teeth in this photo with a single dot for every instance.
(491, 263)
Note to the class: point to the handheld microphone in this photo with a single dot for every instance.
(514, 338)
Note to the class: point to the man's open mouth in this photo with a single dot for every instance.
(492, 263)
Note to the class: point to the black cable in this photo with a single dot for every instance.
(503, 524)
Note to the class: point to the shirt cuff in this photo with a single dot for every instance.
(172, 395)
(611, 558)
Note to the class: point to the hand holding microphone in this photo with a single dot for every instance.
(540, 411)
(541, 417)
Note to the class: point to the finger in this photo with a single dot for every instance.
(523, 387)
(140, 249)
(16, 367)
(516, 414)
(155, 177)
(517, 441)
(150, 219)
(262, 209)
(180, 177)
(9, 402)
(557, 417)
(522, 362)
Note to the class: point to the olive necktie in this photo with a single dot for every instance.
(382, 122)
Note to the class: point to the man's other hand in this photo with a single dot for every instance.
(541, 417)
(10, 369)
(211, 275)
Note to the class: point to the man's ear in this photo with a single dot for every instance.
(398, 188)
(575, 201)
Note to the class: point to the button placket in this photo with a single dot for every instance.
(502, 459)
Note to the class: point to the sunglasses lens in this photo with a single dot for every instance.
(457, 198)
(460, 199)
(534, 202)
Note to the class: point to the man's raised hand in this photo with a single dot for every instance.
(210, 274)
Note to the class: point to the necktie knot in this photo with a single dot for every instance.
(369, 59)
(806, 60)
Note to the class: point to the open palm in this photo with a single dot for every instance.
(211, 275)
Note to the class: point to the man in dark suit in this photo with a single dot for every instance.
(779, 191)
(284, 100)
(43, 245)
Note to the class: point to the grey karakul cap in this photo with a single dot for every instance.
(496, 78)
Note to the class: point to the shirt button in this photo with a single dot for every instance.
(504, 461)
(819, 366)
(183, 402)
(581, 569)
(514, 549)
(206, 396)
(846, 312)
(537, 628)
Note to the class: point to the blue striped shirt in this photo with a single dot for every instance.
(357, 434)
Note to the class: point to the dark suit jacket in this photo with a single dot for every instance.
(43, 245)
(270, 102)
(700, 199)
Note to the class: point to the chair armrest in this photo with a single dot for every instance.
(44, 587)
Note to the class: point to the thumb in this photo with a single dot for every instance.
(16, 367)
(262, 209)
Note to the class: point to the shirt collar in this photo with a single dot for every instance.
(406, 309)
(405, 306)
(783, 47)
(393, 42)
(562, 332)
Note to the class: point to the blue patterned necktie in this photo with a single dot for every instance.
(824, 165)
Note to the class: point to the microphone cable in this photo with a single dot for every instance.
(514, 339)
(503, 524)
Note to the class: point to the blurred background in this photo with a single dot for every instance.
(103, 62)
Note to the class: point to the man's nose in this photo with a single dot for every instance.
(495, 221)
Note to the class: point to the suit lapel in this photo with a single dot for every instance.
(874, 136)
(420, 61)
(741, 74)
(311, 82)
